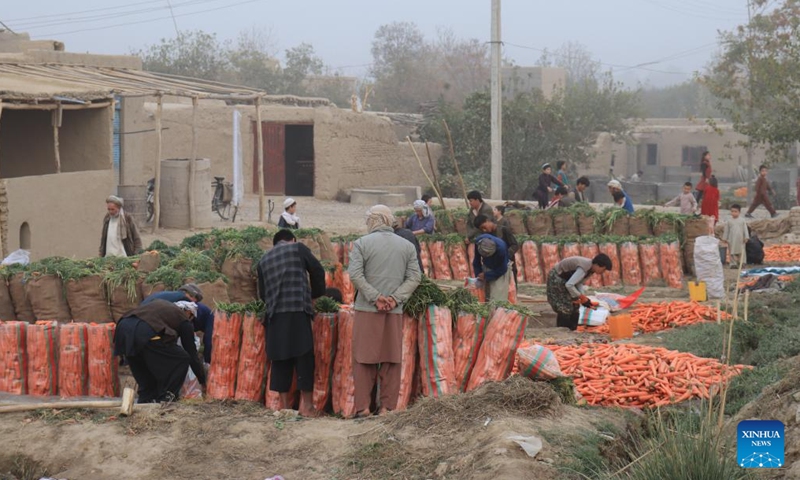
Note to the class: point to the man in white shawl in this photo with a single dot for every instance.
(120, 237)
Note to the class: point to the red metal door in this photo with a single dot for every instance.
(274, 158)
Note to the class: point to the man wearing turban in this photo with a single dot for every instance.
(385, 271)
(120, 236)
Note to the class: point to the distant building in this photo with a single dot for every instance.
(518, 80)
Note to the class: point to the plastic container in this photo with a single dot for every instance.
(620, 326)
(697, 291)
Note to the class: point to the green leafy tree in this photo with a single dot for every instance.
(190, 53)
(685, 100)
(301, 61)
(757, 76)
(536, 130)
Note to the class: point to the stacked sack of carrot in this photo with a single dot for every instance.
(655, 317)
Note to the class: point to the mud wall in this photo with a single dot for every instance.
(64, 212)
(351, 150)
(86, 139)
(26, 143)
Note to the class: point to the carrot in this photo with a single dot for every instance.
(651, 270)
(425, 258)
(103, 376)
(611, 277)
(227, 339)
(13, 356)
(458, 261)
(652, 317)
(631, 270)
(532, 263)
(252, 364)
(781, 253)
(590, 250)
(439, 261)
(550, 257)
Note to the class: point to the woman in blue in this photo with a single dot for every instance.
(546, 181)
(561, 173)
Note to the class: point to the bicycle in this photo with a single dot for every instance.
(221, 202)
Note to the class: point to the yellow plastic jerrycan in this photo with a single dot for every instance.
(697, 291)
(620, 326)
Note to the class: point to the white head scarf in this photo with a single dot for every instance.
(379, 216)
(190, 306)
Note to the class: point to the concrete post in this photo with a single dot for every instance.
(497, 106)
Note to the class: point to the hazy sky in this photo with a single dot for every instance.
(617, 32)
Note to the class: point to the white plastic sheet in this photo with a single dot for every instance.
(22, 257)
(708, 265)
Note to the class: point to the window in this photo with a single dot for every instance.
(691, 157)
(652, 154)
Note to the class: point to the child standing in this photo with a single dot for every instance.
(761, 198)
(686, 200)
(710, 205)
(735, 236)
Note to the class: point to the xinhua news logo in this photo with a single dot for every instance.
(759, 444)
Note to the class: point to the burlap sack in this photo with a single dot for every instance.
(6, 305)
(86, 300)
(767, 229)
(620, 227)
(241, 281)
(688, 257)
(539, 224)
(585, 224)
(460, 226)
(664, 226)
(695, 227)
(639, 227)
(564, 223)
(149, 262)
(22, 305)
(265, 244)
(516, 219)
(214, 292)
(46, 293)
(326, 252)
(121, 303)
(309, 242)
(151, 288)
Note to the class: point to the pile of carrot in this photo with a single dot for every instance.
(227, 339)
(341, 278)
(651, 270)
(629, 375)
(671, 267)
(344, 387)
(655, 317)
(613, 276)
(13, 369)
(439, 261)
(42, 338)
(533, 266)
(781, 253)
(252, 365)
(103, 375)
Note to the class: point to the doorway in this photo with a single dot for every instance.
(288, 159)
(300, 160)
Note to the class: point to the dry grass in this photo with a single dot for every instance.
(21, 467)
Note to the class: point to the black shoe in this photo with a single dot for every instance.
(747, 215)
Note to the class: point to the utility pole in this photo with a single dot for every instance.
(750, 82)
(497, 106)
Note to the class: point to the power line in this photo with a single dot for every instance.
(37, 17)
(150, 20)
(6, 27)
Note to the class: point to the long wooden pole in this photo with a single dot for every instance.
(4, 239)
(56, 120)
(193, 167)
(433, 172)
(408, 139)
(260, 146)
(157, 187)
(455, 162)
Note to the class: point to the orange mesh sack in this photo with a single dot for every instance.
(344, 386)
(103, 367)
(476, 288)
(512, 290)
(671, 264)
(439, 261)
(538, 363)
(252, 367)
(42, 352)
(590, 250)
(533, 266)
(13, 357)
(73, 366)
(496, 355)
(611, 277)
(467, 339)
(458, 261)
(425, 258)
(436, 352)
(570, 249)
(550, 257)
(651, 270)
(325, 336)
(227, 339)
(520, 264)
(341, 278)
(629, 259)
(408, 362)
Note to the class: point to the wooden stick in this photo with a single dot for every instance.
(4, 239)
(26, 407)
(157, 186)
(128, 399)
(54, 106)
(455, 163)
(260, 139)
(193, 168)
(408, 139)
(433, 172)
(56, 120)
